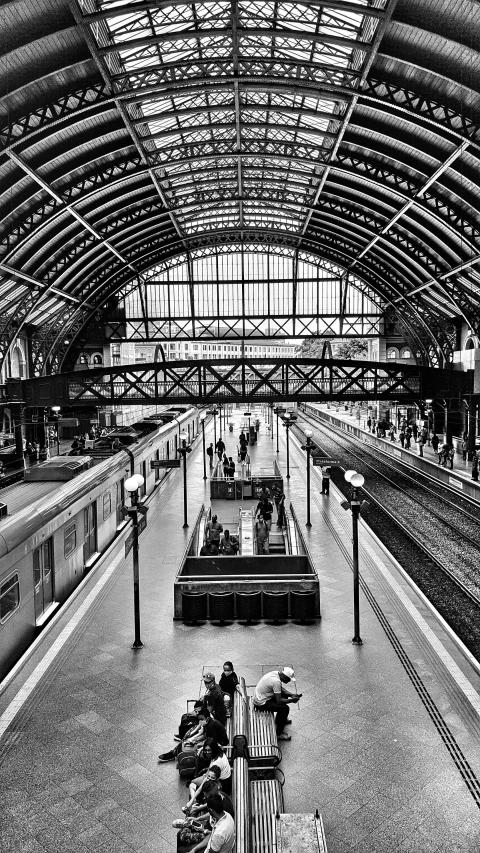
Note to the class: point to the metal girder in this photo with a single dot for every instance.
(246, 380)
(113, 10)
(348, 113)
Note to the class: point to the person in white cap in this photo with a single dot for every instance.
(274, 692)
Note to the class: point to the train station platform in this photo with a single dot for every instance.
(385, 741)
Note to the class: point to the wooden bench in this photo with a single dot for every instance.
(267, 802)
(262, 737)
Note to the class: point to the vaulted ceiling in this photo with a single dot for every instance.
(133, 133)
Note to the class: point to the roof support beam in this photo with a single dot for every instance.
(32, 173)
(120, 107)
(373, 48)
(236, 95)
(151, 5)
(19, 275)
(261, 32)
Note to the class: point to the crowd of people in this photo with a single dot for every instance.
(208, 816)
(208, 821)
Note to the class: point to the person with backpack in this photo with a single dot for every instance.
(206, 727)
(210, 455)
(220, 448)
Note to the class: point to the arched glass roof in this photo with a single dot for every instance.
(134, 132)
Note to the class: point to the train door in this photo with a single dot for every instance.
(120, 502)
(144, 475)
(157, 470)
(90, 531)
(43, 578)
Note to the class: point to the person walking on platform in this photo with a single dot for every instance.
(243, 449)
(220, 448)
(226, 465)
(210, 455)
(274, 693)
(475, 468)
(231, 468)
(326, 479)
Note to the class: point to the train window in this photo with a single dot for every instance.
(70, 539)
(107, 504)
(9, 597)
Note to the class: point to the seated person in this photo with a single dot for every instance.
(221, 839)
(228, 544)
(213, 698)
(209, 549)
(198, 807)
(214, 754)
(207, 728)
(274, 692)
(229, 683)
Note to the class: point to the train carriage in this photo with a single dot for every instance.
(55, 531)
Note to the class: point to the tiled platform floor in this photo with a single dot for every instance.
(79, 765)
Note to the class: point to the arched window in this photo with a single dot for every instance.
(83, 358)
(391, 353)
(97, 359)
(406, 353)
(18, 362)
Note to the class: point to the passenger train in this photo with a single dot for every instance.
(55, 531)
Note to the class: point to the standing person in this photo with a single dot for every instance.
(401, 436)
(464, 449)
(243, 449)
(414, 430)
(369, 423)
(273, 693)
(435, 441)
(408, 437)
(265, 509)
(220, 448)
(261, 533)
(225, 464)
(242, 437)
(228, 544)
(475, 468)
(214, 529)
(326, 479)
(231, 468)
(450, 456)
(281, 511)
(210, 455)
(391, 431)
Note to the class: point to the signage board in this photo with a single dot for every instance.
(142, 523)
(164, 463)
(320, 461)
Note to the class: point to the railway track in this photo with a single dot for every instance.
(442, 556)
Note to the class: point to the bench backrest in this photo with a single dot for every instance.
(241, 805)
(240, 712)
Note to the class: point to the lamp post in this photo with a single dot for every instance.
(132, 485)
(355, 502)
(278, 411)
(286, 421)
(203, 415)
(308, 446)
(271, 420)
(183, 450)
(214, 411)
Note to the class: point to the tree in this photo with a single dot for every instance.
(357, 348)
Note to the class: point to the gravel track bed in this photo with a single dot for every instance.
(458, 610)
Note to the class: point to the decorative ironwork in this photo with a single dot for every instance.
(243, 380)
